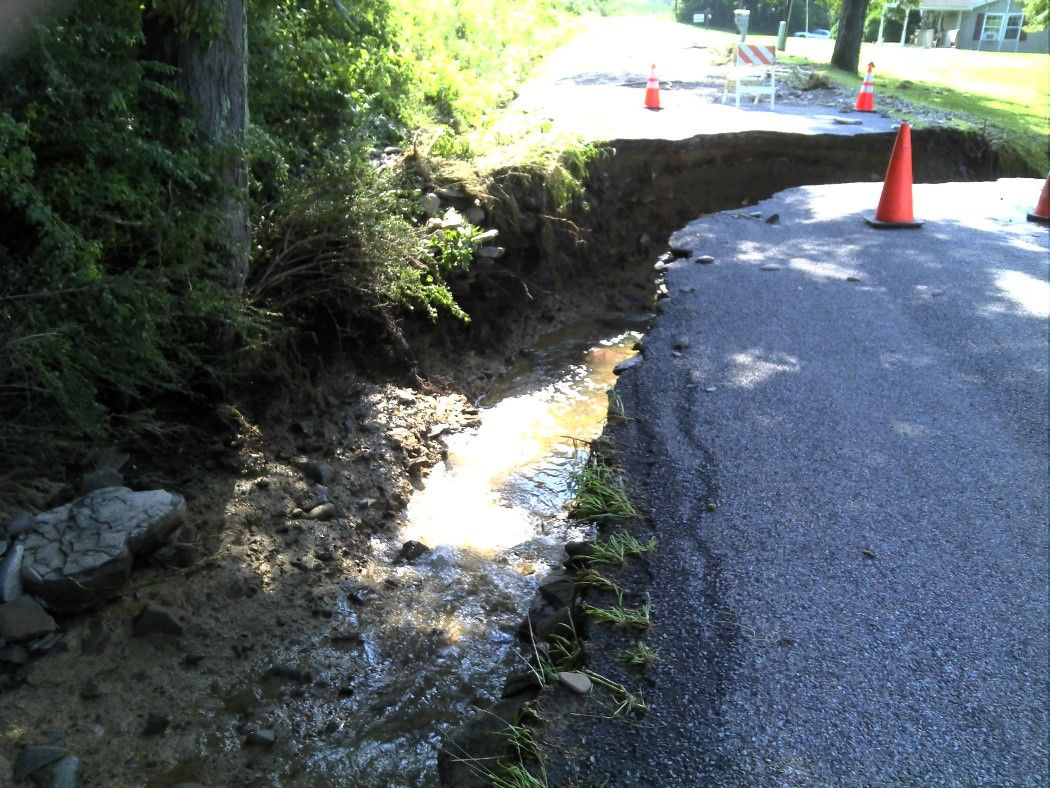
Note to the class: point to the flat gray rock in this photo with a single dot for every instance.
(78, 553)
(577, 682)
(11, 574)
(32, 759)
(24, 619)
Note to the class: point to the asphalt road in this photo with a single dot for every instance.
(868, 604)
(595, 87)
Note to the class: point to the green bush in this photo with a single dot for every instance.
(106, 294)
(110, 294)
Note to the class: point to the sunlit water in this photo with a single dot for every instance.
(438, 639)
(418, 648)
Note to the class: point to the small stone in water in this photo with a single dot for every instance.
(705, 259)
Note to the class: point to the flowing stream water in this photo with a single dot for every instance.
(421, 645)
(435, 637)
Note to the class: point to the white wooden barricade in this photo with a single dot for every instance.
(753, 66)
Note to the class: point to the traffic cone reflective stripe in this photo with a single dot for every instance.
(1042, 210)
(895, 209)
(866, 97)
(652, 90)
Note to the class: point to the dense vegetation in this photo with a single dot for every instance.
(112, 296)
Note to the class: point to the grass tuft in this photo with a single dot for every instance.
(618, 547)
(600, 495)
(640, 655)
(634, 617)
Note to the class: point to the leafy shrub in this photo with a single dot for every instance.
(106, 293)
(339, 240)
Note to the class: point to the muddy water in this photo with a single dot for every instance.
(429, 641)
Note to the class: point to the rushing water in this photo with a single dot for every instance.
(439, 637)
(426, 643)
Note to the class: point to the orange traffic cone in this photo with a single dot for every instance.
(866, 97)
(895, 205)
(652, 90)
(1042, 210)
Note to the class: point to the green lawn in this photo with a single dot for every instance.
(1006, 95)
(1006, 90)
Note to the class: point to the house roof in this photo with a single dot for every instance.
(954, 5)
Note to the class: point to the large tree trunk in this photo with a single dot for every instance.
(213, 77)
(846, 55)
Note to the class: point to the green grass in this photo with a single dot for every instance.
(618, 547)
(600, 495)
(592, 579)
(640, 655)
(1008, 91)
(633, 617)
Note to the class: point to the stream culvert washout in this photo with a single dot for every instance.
(348, 650)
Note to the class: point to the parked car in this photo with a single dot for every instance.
(818, 33)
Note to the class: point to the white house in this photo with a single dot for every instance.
(992, 25)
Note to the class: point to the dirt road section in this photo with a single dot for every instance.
(840, 437)
(595, 87)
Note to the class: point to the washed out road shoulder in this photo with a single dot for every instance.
(867, 604)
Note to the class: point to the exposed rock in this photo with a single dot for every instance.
(577, 682)
(475, 214)
(770, 267)
(326, 511)
(559, 591)
(78, 553)
(482, 740)
(261, 738)
(289, 672)
(155, 620)
(705, 259)
(46, 642)
(485, 237)
(577, 549)
(33, 759)
(561, 622)
(19, 523)
(100, 479)
(623, 366)
(65, 773)
(14, 655)
(452, 220)
(24, 619)
(681, 342)
(431, 204)
(848, 121)
(156, 723)
(680, 250)
(410, 551)
(319, 472)
(773, 218)
(520, 682)
(491, 252)
(11, 574)
(660, 266)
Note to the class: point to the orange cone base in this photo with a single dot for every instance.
(1034, 217)
(881, 225)
(858, 109)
